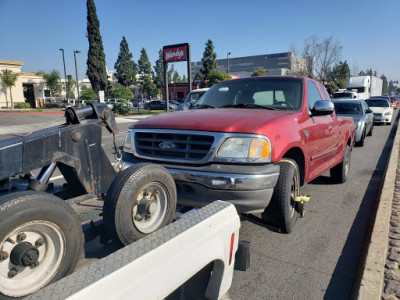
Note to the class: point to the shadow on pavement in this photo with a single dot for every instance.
(346, 276)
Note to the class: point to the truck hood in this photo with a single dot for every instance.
(216, 120)
(380, 110)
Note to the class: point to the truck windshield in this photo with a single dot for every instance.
(377, 103)
(348, 108)
(255, 93)
(343, 95)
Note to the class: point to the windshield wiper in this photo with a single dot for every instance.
(202, 106)
(244, 105)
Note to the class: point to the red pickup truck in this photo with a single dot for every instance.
(252, 142)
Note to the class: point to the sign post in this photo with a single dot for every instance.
(175, 53)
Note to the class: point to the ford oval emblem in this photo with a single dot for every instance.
(167, 146)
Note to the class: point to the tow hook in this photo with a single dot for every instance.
(300, 203)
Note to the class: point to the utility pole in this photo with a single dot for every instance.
(65, 75)
(76, 72)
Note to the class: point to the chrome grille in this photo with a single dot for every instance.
(188, 147)
(377, 115)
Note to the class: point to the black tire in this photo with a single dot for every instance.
(361, 142)
(371, 130)
(281, 212)
(340, 172)
(48, 226)
(120, 202)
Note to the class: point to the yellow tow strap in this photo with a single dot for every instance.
(299, 199)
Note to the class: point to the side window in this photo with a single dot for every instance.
(312, 94)
(326, 96)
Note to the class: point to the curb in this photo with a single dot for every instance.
(31, 112)
(372, 277)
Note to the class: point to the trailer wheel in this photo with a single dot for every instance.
(281, 212)
(140, 200)
(41, 241)
(340, 172)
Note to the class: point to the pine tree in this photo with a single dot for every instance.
(146, 79)
(209, 60)
(126, 68)
(96, 62)
(159, 71)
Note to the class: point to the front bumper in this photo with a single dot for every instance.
(248, 187)
(382, 119)
(250, 193)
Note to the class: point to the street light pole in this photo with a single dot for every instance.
(76, 72)
(227, 58)
(65, 75)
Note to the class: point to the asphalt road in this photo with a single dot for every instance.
(320, 258)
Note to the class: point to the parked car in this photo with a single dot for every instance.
(193, 97)
(158, 105)
(383, 112)
(361, 114)
(394, 101)
(252, 142)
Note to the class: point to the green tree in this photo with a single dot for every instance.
(9, 78)
(87, 94)
(125, 67)
(259, 72)
(96, 62)
(331, 87)
(159, 71)
(176, 78)
(340, 71)
(391, 87)
(121, 92)
(146, 79)
(71, 87)
(52, 81)
(384, 84)
(216, 76)
(209, 61)
(171, 72)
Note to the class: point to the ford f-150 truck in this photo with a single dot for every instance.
(252, 142)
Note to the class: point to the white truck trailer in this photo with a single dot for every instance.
(366, 86)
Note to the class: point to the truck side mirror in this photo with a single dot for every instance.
(322, 108)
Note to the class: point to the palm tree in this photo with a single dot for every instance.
(9, 78)
(53, 83)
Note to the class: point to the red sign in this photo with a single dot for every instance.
(175, 54)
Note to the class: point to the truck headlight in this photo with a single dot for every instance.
(388, 113)
(244, 147)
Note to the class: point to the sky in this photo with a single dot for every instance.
(34, 31)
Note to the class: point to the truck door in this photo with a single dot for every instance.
(320, 141)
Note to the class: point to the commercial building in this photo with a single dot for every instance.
(273, 64)
(29, 87)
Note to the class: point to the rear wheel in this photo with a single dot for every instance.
(41, 241)
(339, 173)
(140, 200)
(281, 212)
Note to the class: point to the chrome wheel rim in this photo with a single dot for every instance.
(48, 240)
(150, 207)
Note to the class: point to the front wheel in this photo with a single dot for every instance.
(371, 130)
(281, 212)
(362, 141)
(41, 241)
(140, 200)
(340, 172)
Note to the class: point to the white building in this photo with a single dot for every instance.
(29, 87)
